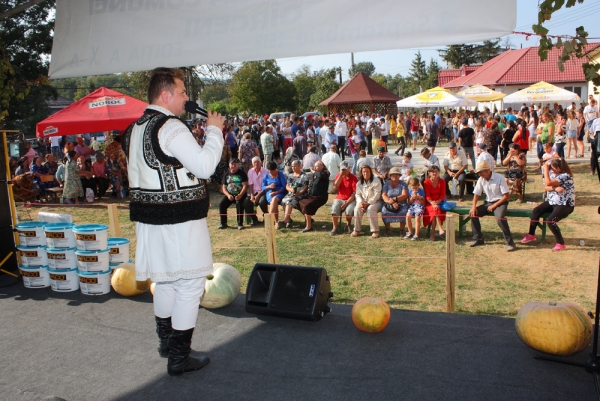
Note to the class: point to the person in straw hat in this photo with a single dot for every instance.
(497, 195)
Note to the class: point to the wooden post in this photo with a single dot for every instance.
(450, 261)
(113, 221)
(271, 245)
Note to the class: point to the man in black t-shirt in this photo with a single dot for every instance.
(235, 184)
(466, 137)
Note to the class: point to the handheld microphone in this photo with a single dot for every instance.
(192, 107)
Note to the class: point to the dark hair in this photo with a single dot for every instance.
(562, 165)
(71, 154)
(163, 79)
(362, 179)
(514, 146)
(408, 154)
(271, 165)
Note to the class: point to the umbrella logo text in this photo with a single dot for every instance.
(106, 101)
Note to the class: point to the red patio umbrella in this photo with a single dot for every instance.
(101, 110)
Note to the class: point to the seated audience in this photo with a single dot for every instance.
(394, 195)
(368, 201)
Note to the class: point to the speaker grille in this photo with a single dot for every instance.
(296, 290)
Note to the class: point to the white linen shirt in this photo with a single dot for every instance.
(494, 188)
(369, 192)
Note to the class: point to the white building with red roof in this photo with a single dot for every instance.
(514, 70)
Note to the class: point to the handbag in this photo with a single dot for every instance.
(446, 206)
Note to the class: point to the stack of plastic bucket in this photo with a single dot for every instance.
(34, 259)
(62, 263)
(118, 252)
(92, 254)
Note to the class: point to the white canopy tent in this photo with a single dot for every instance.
(436, 97)
(542, 92)
(101, 36)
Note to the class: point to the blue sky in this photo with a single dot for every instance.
(394, 62)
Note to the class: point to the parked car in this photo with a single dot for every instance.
(281, 115)
(311, 113)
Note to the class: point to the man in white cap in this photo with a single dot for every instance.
(497, 193)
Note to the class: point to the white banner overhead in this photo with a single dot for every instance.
(106, 36)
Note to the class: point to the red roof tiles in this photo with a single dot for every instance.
(523, 66)
(361, 89)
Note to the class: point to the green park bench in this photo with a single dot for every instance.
(463, 212)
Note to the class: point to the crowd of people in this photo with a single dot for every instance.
(75, 165)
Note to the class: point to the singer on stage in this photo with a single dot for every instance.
(169, 202)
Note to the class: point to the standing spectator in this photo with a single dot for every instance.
(466, 140)
(497, 195)
(30, 153)
(341, 130)
(231, 140)
(287, 136)
(590, 113)
(235, 185)
(99, 168)
(82, 149)
(309, 160)
(266, 141)
(383, 130)
(246, 152)
(560, 137)
(217, 177)
(55, 148)
(572, 125)
(300, 145)
(455, 164)
(516, 173)
(403, 130)
(345, 186)
(353, 145)
(507, 138)
(381, 164)
(330, 138)
(333, 162)
(72, 185)
(433, 132)
(368, 201)
(114, 169)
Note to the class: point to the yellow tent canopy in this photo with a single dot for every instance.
(481, 93)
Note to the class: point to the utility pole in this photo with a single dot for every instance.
(340, 72)
(352, 63)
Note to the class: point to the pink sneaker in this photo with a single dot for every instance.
(559, 247)
(528, 238)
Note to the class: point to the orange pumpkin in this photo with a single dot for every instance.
(554, 328)
(370, 315)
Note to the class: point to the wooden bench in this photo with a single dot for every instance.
(463, 212)
(56, 192)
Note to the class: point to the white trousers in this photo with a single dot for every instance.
(179, 300)
(371, 214)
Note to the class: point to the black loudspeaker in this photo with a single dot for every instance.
(5, 218)
(2, 160)
(7, 241)
(296, 292)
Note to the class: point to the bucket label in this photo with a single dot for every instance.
(29, 274)
(57, 256)
(85, 237)
(88, 280)
(56, 235)
(27, 234)
(87, 259)
(29, 254)
(58, 277)
(114, 251)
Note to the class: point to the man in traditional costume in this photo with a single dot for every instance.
(169, 203)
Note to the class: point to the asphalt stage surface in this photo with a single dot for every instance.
(68, 346)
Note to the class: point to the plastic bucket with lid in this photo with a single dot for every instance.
(114, 266)
(119, 250)
(61, 258)
(33, 255)
(94, 283)
(92, 261)
(64, 280)
(31, 233)
(35, 277)
(60, 235)
(91, 237)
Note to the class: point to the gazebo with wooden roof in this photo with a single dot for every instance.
(360, 94)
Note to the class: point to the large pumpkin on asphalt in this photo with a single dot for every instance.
(554, 328)
(222, 286)
(370, 315)
(124, 283)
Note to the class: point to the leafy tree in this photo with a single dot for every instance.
(366, 67)
(25, 44)
(573, 47)
(325, 85)
(418, 72)
(381, 80)
(458, 55)
(259, 87)
(432, 74)
(304, 81)
(488, 50)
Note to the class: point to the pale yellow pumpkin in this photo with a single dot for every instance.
(222, 286)
(554, 328)
(124, 283)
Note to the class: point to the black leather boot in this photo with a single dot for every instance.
(163, 329)
(180, 360)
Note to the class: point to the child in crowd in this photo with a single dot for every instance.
(416, 209)
(280, 165)
(407, 167)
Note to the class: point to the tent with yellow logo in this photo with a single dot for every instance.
(436, 97)
(542, 92)
(481, 93)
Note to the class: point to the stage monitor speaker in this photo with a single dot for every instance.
(8, 245)
(5, 219)
(297, 292)
(2, 160)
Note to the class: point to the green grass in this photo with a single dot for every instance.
(409, 274)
